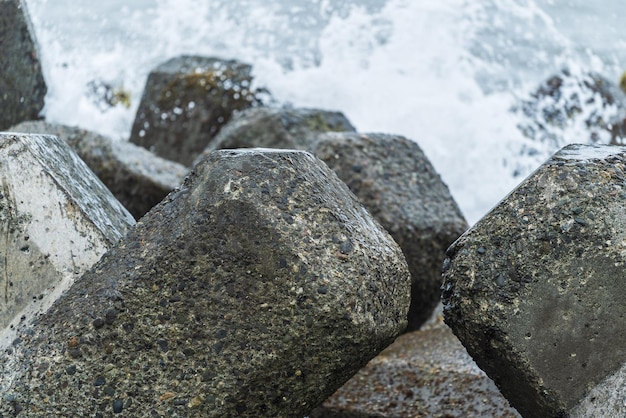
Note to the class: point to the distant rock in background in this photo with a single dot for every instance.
(257, 289)
(396, 182)
(187, 100)
(22, 86)
(135, 176)
(286, 128)
(585, 106)
(535, 289)
(425, 373)
(57, 219)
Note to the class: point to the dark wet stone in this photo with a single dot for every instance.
(186, 102)
(22, 86)
(136, 177)
(118, 406)
(286, 128)
(247, 340)
(401, 188)
(98, 323)
(541, 310)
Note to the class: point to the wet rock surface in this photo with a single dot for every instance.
(236, 296)
(533, 289)
(424, 373)
(287, 128)
(396, 182)
(186, 101)
(56, 221)
(135, 176)
(22, 86)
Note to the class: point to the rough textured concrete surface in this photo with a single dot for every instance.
(56, 221)
(535, 292)
(423, 374)
(135, 176)
(394, 180)
(22, 87)
(256, 289)
(185, 103)
(288, 128)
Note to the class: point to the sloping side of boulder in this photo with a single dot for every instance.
(534, 289)
(135, 176)
(257, 289)
(22, 86)
(425, 373)
(287, 128)
(57, 219)
(396, 182)
(185, 103)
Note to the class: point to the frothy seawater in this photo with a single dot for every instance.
(441, 72)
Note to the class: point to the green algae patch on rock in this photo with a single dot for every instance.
(57, 219)
(135, 176)
(396, 182)
(187, 100)
(236, 296)
(534, 289)
(22, 86)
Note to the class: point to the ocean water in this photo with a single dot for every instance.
(444, 73)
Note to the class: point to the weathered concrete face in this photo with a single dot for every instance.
(56, 221)
(135, 176)
(285, 128)
(425, 373)
(534, 289)
(22, 87)
(394, 180)
(257, 289)
(185, 103)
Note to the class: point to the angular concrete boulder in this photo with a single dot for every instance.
(535, 289)
(570, 104)
(394, 180)
(57, 219)
(135, 176)
(425, 373)
(22, 86)
(287, 128)
(185, 103)
(257, 289)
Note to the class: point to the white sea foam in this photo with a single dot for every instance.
(441, 72)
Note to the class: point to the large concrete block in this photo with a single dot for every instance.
(257, 289)
(396, 182)
(56, 221)
(535, 289)
(135, 176)
(425, 373)
(22, 87)
(286, 128)
(185, 103)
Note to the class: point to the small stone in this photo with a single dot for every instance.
(118, 406)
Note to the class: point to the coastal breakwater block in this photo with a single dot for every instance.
(287, 128)
(186, 101)
(396, 182)
(22, 86)
(535, 292)
(57, 220)
(425, 373)
(257, 289)
(135, 176)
